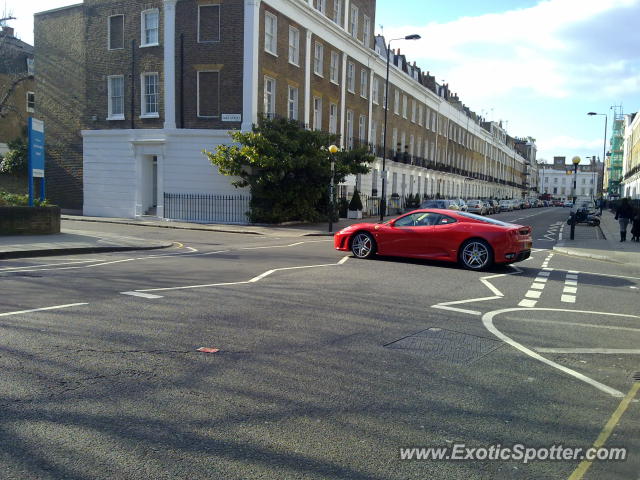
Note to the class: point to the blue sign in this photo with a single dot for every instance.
(36, 156)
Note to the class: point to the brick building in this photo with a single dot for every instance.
(155, 84)
(17, 86)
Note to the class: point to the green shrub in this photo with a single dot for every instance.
(15, 160)
(356, 202)
(15, 200)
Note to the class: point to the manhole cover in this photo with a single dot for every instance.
(447, 345)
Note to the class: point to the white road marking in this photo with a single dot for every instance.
(570, 290)
(541, 279)
(608, 351)
(538, 286)
(245, 282)
(11, 269)
(572, 276)
(446, 305)
(533, 294)
(544, 274)
(527, 303)
(575, 324)
(560, 233)
(487, 320)
(140, 294)
(55, 307)
(485, 281)
(573, 283)
(568, 298)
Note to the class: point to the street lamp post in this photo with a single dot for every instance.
(332, 150)
(383, 199)
(604, 152)
(576, 162)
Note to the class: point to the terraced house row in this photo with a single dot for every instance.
(155, 83)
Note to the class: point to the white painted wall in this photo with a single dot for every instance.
(114, 167)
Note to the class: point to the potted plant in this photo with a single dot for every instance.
(355, 206)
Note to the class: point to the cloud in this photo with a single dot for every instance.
(556, 49)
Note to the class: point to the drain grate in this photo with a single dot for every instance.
(636, 377)
(448, 345)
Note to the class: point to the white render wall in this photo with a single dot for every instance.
(114, 166)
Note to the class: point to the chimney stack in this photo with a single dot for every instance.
(8, 31)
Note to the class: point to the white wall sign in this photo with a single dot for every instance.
(231, 117)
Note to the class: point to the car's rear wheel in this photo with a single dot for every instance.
(476, 254)
(363, 245)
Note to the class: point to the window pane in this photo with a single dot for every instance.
(117, 97)
(209, 28)
(151, 93)
(151, 28)
(116, 29)
(209, 94)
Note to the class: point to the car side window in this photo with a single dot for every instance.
(417, 220)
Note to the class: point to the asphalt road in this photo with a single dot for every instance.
(327, 365)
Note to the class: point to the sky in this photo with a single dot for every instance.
(537, 65)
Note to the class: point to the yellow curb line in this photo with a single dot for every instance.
(606, 432)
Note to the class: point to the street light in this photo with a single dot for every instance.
(383, 199)
(576, 162)
(332, 150)
(604, 150)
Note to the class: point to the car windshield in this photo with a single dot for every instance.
(485, 219)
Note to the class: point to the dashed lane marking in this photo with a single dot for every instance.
(54, 307)
(140, 294)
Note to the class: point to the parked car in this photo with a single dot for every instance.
(568, 203)
(441, 203)
(558, 203)
(463, 205)
(506, 205)
(477, 206)
(475, 242)
(495, 205)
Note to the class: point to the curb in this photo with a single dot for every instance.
(153, 225)
(52, 252)
(573, 253)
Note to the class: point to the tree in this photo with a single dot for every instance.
(15, 160)
(286, 168)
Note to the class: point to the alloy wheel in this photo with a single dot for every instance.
(362, 245)
(475, 255)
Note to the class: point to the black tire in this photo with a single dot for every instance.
(363, 245)
(475, 254)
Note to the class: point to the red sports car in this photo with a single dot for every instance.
(474, 241)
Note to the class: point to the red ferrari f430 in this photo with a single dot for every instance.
(475, 242)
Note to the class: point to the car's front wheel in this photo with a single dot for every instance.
(363, 245)
(476, 254)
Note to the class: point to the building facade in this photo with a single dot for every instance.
(17, 86)
(631, 164)
(160, 83)
(556, 180)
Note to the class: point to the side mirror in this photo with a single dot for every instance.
(391, 223)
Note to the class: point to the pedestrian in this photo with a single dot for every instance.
(635, 227)
(624, 214)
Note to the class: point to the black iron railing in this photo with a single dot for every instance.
(206, 208)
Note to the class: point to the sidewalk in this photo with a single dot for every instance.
(72, 242)
(288, 230)
(601, 245)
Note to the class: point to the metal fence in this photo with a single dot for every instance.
(206, 208)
